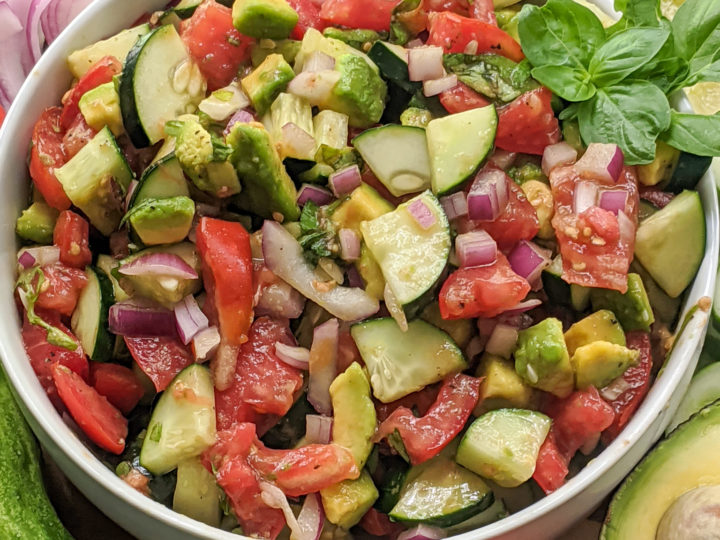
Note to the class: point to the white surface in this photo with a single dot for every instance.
(147, 519)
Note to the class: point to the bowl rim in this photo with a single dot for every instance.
(682, 359)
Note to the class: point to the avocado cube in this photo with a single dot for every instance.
(347, 502)
(501, 386)
(600, 362)
(364, 204)
(632, 308)
(101, 107)
(288, 48)
(460, 330)
(661, 168)
(163, 221)
(542, 359)
(267, 81)
(37, 223)
(600, 326)
(270, 19)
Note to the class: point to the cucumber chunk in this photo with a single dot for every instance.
(90, 319)
(161, 180)
(197, 495)
(182, 425)
(404, 362)
(495, 512)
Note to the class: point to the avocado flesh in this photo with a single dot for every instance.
(37, 223)
(599, 326)
(682, 462)
(632, 308)
(163, 221)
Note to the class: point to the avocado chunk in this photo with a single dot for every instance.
(37, 223)
(163, 221)
(357, 38)
(271, 19)
(371, 273)
(600, 326)
(288, 48)
(267, 81)
(345, 503)
(354, 413)
(460, 330)
(363, 204)
(360, 92)
(101, 107)
(267, 187)
(600, 362)
(542, 359)
(416, 117)
(661, 168)
(632, 308)
(501, 386)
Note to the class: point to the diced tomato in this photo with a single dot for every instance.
(482, 291)
(419, 402)
(263, 384)
(46, 155)
(61, 288)
(528, 123)
(595, 251)
(118, 384)
(378, 524)
(228, 275)
(483, 10)
(638, 379)
(425, 437)
(101, 72)
(160, 358)
(72, 236)
(308, 17)
(462, 98)
(368, 14)
(454, 32)
(101, 422)
(551, 467)
(78, 134)
(214, 43)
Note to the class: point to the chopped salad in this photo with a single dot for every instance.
(363, 265)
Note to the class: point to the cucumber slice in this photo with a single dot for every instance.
(185, 8)
(704, 389)
(161, 180)
(675, 233)
(393, 64)
(412, 258)
(404, 362)
(503, 445)
(182, 425)
(197, 495)
(107, 264)
(439, 492)
(398, 156)
(688, 172)
(90, 319)
(495, 512)
(159, 82)
(458, 144)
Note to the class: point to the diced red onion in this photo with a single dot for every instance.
(349, 245)
(312, 517)
(26, 260)
(474, 347)
(557, 154)
(602, 161)
(613, 390)
(422, 215)
(502, 340)
(315, 86)
(205, 343)
(502, 159)
(486, 326)
(9, 23)
(243, 116)
(425, 63)
(585, 196)
(434, 87)
(345, 180)
(455, 205)
(422, 532)
(131, 189)
(414, 43)
(134, 319)
(297, 357)
(164, 264)
(316, 194)
(318, 428)
(354, 278)
(590, 444)
(475, 248)
(40, 255)
(627, 227)
(528, 260)
(280, 300)
(613, 200)
(32, 27)
(296, 141)
(524, 306)
(58, 15)
(189, 318)
(488, 195)
(323, 365)
(318, 61)
(396, 310)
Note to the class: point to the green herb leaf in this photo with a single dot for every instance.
(636, 13)
(696, 29)
(631, 114)
(308, 217)
(494, 76)
(402, 28)
(568, 83)
(694, 133)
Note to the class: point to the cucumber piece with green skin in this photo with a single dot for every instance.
(688, 172)
(90, 319)
(400, 362)
(393, 64)
(675, 233)
(197, 495)
(439, 492)
(159, 82)
(182, 425)
(185, 8)
(495, 512)
(161, 180)
(25, 511)
(704, 389)
(391, 483)
(107, 264)
(458, 144)
(503, 445)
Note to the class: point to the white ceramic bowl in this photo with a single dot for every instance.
(147, 519)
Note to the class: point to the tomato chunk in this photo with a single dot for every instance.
(424, 438)
(118, 384)
(77, 135)
(61, 288)
(100, 73)
(528, 124)
(101, 422)
(308, 17)
(46, 155)
(72, 236)
(551, 467)
(419, 402)
(461, 98)
(2, 115)
(368, 14)
(160, 358)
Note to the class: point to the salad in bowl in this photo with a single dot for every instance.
(346, 269)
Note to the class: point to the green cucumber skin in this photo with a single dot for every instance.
(25, 510)
(105, 342)
(126, 90)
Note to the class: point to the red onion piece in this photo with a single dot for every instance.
(40, 255)
(323, 365)
(528, 260)
(627, 227)
(523, 306)
(475, 248)
(316, 194)
(318, 61)
(297, 357)
(613, 200)
(602, 161)
(58, 15)
(613, 390)
(312, 521)
(354, 278)
(243, 116)
(316, 86)
(189, 318)
(486, 326)
(425, 63)
(26, 260)
(131, 189)
(434, 87)
(296, 141)
(502, 340)
(414, 43)
(312, 517)
(349, 245)
(32, 27)
(280, 300)
(422, 532)
(502, 159)
(345, 180)
(422, 215)
(16, 60)
(488, 195)
(318, 429)
(455, 205)
(585, 196)
(205, 343)
(9, 23)
(134, 319)
(557, 154)
(164, 264)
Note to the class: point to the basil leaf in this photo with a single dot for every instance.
(696, 29)
(631, 114)
(625, 53)
(636, 13)
(569, 113)
(494, 76)
(666, 70)
(694, 133)
(561, 33)
(568, 83)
